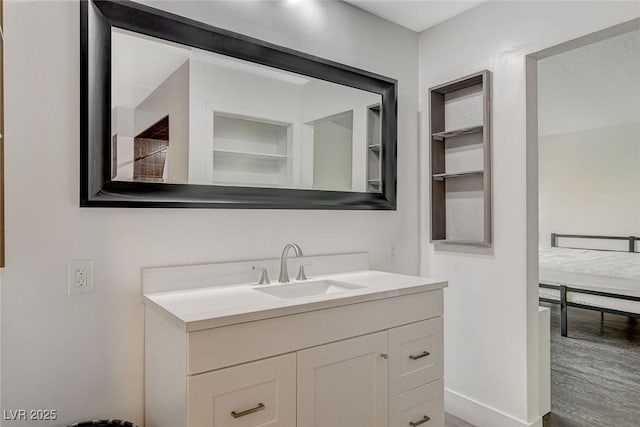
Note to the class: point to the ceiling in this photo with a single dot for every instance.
(416, 15)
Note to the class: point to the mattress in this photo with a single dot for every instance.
(614, 272)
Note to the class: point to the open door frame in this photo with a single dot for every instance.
(2, 259)
(543, 378)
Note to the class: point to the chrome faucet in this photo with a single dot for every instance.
(284, 272)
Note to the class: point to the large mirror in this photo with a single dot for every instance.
(177, 113)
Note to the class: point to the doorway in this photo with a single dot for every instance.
(583, 113)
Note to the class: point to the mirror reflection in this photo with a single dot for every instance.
(185, 115)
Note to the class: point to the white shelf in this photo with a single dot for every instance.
(253, 154)
(240, 144)
(462, 242)
(441, 136)
(442, 176)
(374, 147)
(374, 184)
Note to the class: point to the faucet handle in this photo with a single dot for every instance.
(264, 277)
(301, 275)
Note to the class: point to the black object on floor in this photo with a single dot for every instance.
(104, 423)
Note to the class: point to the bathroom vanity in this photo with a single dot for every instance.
(348, 347)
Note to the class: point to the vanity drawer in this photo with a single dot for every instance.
(420, 407)
(254, 394)
(415, 355)
(216, 348)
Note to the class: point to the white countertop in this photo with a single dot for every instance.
(217, 306)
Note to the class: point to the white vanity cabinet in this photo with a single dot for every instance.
(415, 355)
(422, 406)
(344, 383)
(368, 363)
(261, 393)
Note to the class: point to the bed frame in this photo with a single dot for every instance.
(565, 304)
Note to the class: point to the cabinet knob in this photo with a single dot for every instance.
(384, 355)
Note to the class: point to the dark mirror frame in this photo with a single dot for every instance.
(96, 187)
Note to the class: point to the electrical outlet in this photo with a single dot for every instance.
(80, 276)
(392, 254)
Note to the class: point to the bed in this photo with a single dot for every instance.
(604, 278)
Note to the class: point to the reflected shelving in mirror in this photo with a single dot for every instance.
(251, 154)
(443, 176)
(441, 136)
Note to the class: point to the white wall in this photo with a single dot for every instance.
(590, 182)
(321, 100)
(122, 127)
(491, 303)
(84, 355)
(589, 133)
(332, 152)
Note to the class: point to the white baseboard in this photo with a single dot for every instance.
(479, 414)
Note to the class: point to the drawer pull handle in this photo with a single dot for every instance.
(417, 423)
(260, 407)
(419, 356)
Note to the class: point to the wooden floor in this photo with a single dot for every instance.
(451, 421)
(595, 371)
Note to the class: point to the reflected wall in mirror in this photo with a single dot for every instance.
(189, 116)
(176, 113)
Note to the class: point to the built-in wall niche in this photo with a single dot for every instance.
(461, 161)
(374, 148)
(250, 151)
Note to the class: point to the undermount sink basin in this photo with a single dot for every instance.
(305, 289)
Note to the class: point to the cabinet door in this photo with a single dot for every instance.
(415, 355)
(344, 384)
(257, 394)
(420, 407)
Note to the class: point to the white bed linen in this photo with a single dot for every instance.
(624, 265)
(615, 272)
